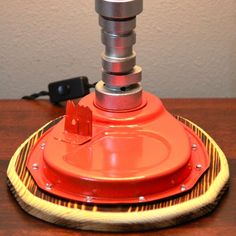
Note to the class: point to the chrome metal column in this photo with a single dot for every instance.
(120, 87)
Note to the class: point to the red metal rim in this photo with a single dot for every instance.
(132, 157)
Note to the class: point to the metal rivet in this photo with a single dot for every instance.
(199, 166)
(42, 145)
(35, 166)
(89, 199)
(48, 186)
(183, 187)
(141, 198)
(194, 146)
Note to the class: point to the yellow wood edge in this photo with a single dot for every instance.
(50, 212)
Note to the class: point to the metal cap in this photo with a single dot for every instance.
(119, 8)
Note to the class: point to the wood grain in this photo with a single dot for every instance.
(25, 117)
(198, 201)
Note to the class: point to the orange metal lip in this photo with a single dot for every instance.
(130, 157)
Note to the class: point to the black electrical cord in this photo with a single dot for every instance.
(64, 90)
(36, 95)
(92, 85)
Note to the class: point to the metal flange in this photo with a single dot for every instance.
(114, 81)
(120, 65)
(118, 99)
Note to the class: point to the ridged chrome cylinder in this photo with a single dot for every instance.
(120, 73)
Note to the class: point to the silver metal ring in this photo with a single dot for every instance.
(124, 80)
(119, 9)
(118, 100)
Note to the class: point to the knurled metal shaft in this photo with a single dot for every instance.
(120, 87)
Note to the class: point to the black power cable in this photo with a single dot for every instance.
(36, 95)
(65, 89)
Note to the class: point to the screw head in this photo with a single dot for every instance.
(42, 145)
(48, 186)
(89, 199)
(141, 198)
(199, 166)
(194, 146)
(183, 187)
(35, 166)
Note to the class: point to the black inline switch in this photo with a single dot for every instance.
(68, 89)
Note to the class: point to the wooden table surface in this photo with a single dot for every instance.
(18, 119)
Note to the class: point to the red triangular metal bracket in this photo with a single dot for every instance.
(78, 124)
(78, 119)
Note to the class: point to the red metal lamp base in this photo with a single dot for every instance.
(98, 156)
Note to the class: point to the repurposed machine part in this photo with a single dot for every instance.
(120, 87)
(86, 215)
(118, 160)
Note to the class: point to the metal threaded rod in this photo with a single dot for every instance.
(120, 87)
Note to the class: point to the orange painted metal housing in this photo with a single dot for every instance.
(99, 156)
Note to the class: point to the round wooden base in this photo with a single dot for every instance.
(198, 201)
